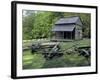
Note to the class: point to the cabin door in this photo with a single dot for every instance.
(67, 35)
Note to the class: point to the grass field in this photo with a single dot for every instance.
(37, 61)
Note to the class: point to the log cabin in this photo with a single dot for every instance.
(69, 28)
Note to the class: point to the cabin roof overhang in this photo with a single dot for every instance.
(63, 28)
(69, 20)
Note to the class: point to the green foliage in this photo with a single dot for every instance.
(38, 24)
(67, 60)
(32, 61)
(42, 25)
(54, 63)
(28, 26)
(74, 59)
(37, 61)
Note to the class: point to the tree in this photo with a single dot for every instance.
(28, 26)
(38, 24)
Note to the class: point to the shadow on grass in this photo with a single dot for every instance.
(66, 61)
(37, 61)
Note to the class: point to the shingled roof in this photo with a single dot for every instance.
(67, 24)
(69, 20)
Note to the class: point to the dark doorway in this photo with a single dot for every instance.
(73, 34)
(67, 35)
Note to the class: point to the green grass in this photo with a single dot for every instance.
(32, 61)
(37, 61)
(78, 43)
